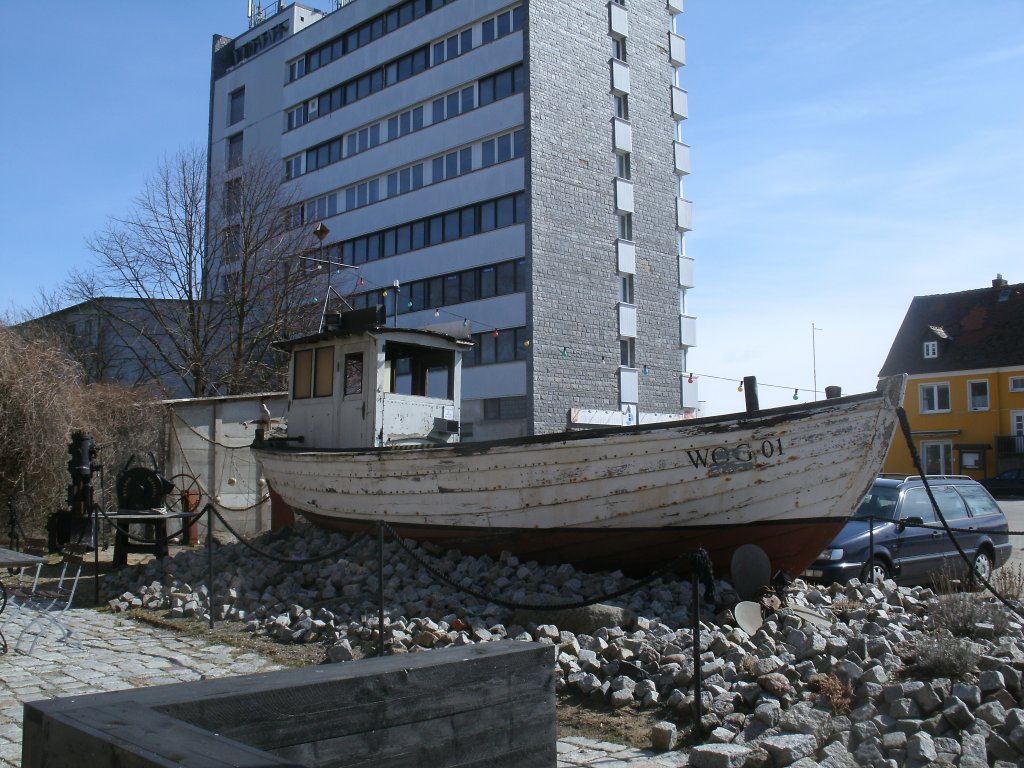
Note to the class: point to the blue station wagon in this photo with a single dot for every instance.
(910, 543)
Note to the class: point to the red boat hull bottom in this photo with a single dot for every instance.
(791, 546)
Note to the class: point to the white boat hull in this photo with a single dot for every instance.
(634, 497)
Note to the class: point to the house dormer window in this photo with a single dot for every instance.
(931, 350)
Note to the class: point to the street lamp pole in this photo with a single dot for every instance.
(814, 359)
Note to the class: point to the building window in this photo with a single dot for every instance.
(504, 408)
(236, 106)
(977, 395)
(621, 106)
(627, 353)
(938, 460)
(1017, 383)
(626, 289)
(622, 165)
(931, 349)
(619, 48)
(934, 398)
(626, 226)
(234, 150)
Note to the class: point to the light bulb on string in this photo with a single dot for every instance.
(646, 370)
(465, 323)
(495, 333)
(384, 294)
(437, 313)
(409, 305)
(740, 387)
(796, 395)
(565, 352)
(361, 281)
(690, 380)
(526, 343)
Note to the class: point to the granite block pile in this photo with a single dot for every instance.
(849, 675)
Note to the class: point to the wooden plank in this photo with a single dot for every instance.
(306, 713)
(490, 704)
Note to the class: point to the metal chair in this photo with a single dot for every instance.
(47, 606)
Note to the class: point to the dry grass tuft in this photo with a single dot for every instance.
(838, 693)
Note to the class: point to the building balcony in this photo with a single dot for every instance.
(690, 394)
(687, 331)
(622, 135)
(1010, 445)
(676, 49)
(685, 272)
(623, 196)
(684, 215)
(629, 385)
(627, 321)
(618, 20)
(680, 103)
(682, 158)
(620, 76)
(625, 255)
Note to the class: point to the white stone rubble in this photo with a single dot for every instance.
(766, 696)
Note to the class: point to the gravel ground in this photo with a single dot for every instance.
(838, 675)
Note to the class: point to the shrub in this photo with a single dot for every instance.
(940, 654)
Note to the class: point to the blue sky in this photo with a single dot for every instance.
(846, 157)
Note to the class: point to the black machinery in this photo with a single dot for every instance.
(141, 500)
(74, 525)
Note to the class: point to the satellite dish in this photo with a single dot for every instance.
(748, 616)
(751, 571)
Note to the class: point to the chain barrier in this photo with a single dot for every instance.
(156, 517)
(977, 577)
(499, 601)
(288, 561)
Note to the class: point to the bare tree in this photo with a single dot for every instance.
(214, 269)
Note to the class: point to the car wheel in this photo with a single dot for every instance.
(982, 567)
(876, 573)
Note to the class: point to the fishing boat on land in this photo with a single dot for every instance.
(377, 410)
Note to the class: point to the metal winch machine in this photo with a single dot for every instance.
(144, 503)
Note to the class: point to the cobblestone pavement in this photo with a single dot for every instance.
(107, 653)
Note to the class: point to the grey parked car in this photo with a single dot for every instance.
(910, 543)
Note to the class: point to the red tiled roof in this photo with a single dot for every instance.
(982, 328)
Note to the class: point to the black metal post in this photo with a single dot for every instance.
(750, 393)
(380, 590)
(96, 553)
(871, 549)
(209, 556)
(698, 698)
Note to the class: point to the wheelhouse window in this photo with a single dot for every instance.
(934, 398)
(419, 371)
(313, 373)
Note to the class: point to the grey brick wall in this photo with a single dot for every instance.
(572, 230)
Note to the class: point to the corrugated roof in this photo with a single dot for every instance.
(982, 328)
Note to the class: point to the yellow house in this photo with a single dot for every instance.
(964, 353)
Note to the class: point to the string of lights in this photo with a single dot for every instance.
(564, 351)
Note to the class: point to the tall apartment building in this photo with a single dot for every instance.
(516, 166)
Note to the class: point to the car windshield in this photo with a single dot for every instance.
(880, 503)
